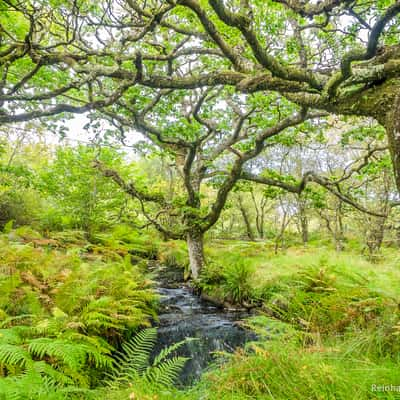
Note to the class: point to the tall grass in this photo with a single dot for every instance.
(329, 323)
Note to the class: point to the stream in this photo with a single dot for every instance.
(183, 314)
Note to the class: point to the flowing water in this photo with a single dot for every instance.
(184, 315)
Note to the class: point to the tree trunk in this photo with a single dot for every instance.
(304, 228)
(374, 236)
(260, 214)
(303, 221)
(260, 224)
(246, 218)
(397, 233)
(339, 228)
(284, 224)
(196, 252)
(392, 126)
(334, 226)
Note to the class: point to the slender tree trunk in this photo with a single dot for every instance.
(260, 224)
(374, 235)
(261, 227)
(303, 221)
(377, 225)
(246, 219)
(195, 244)
(260, 214)
(280, 235)
(231, 225)
(397, 233)
(339, 228)
(304, 229)
(286, 218)
(335, 228)
(258, 221)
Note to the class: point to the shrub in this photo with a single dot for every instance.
(238, 282)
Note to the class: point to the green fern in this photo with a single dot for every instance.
(133, 362)
(167, 372)
(167, 351)
(10, 336)
(135, 356)
(64, 361)
(71, 353)
(32, 385)
(12, 355)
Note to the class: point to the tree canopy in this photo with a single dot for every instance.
(212, 84)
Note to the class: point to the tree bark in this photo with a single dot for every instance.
(246, 219)
(195, 244)
(374, 235)
(304, 229)
(260, 214)
(303, 220)
(286, 219)
(339, 228)
(392, 126)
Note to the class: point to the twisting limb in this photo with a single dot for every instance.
(307, 178)
(142, 196)
(130, 187)
(311, 9)
(243, 23)
(237, 168)
(213, 32)
(368, 53)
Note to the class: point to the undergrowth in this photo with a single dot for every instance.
(328, 323)
(64, 310)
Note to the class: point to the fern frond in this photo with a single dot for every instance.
(164, 353)
(9, 391)
(134, 362)
(10, 336)
(13, 355)
(99, 319)
(33, 385)
(95, 357)
(98, 343)
(136, 352)
(70, 353)
(167, 372)
(73, 354)
(51, 375)
(11, 320)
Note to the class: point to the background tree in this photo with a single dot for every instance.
(79, 197)
(22, 154)
(378, 188)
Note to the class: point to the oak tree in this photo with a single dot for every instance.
(151, 65)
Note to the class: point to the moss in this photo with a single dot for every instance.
(374, 101)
